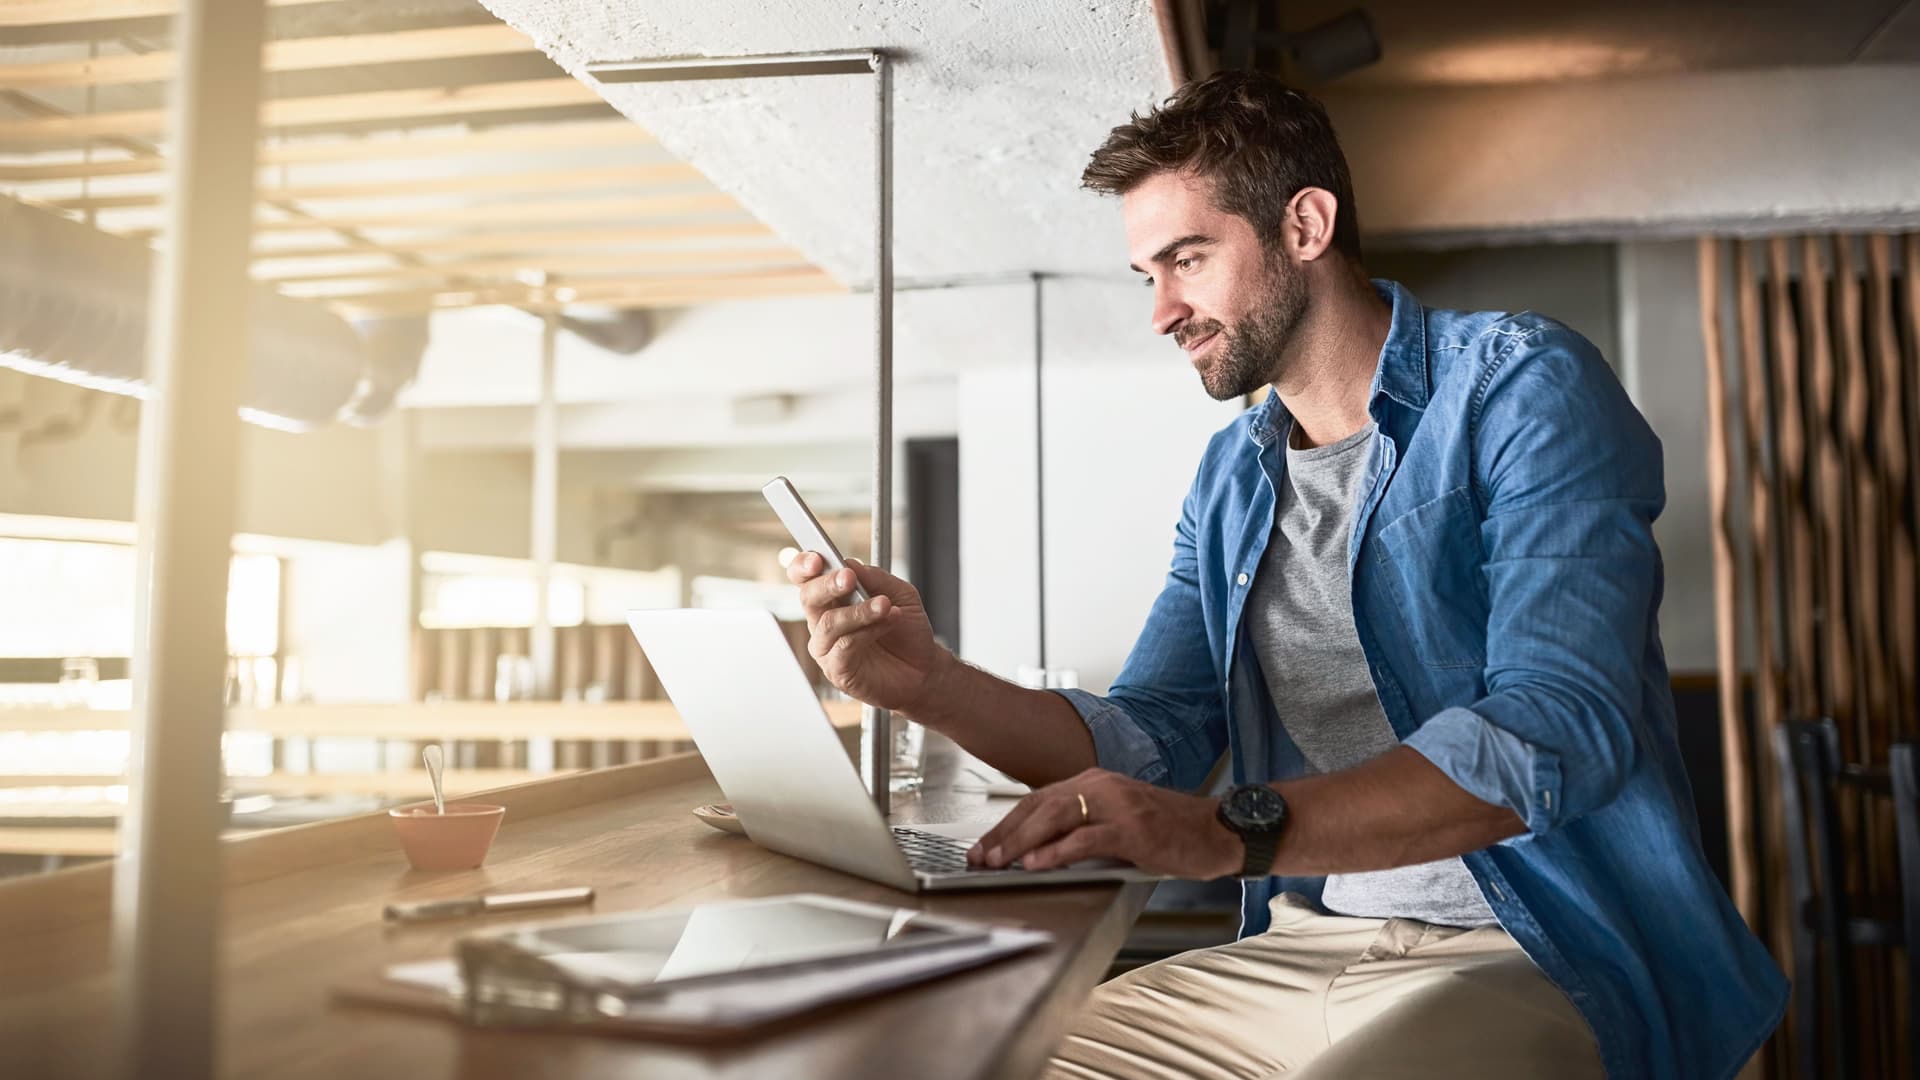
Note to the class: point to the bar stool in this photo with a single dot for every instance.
(1826, 928)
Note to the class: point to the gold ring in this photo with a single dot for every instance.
(1084, 816)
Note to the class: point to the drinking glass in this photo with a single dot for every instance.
(907, 764)
(909, 756)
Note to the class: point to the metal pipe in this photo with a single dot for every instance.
(1039, 475)
(167, 884)
(695, 68)
(852, 62)
(880, 750)
(543, 545)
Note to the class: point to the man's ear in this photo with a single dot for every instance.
(1309, 222)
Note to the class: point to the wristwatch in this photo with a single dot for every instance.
(1257, 814)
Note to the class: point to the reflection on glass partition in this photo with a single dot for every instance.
(66, 643)
(312, 625)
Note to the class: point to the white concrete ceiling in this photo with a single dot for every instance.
(999, 102)
(997, 105)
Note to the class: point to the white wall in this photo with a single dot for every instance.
(1126, 422)
(348, 622)
(1122, 449)
(1663, 364)
(999, 627)
(1573, 283)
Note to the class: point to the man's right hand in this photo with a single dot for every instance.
(881, 652)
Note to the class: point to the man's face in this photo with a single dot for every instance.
(1229, 302)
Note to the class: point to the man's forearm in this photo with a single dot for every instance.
(1398, 809)
(1031, 735)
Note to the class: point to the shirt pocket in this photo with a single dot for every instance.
(1430, 560)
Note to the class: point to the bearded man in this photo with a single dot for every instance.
(1414, 598)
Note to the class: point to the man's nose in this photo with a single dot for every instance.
(1169, 311)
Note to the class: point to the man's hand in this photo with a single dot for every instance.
(1158, 830)
(881, 652)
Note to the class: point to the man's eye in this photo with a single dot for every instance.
(1148, 282)
(1184, 263)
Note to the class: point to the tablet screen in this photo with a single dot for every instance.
(634, 951)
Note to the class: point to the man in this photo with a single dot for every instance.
(1414, 597)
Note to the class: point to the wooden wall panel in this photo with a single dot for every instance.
(1828, 482)
(1734, 744)
(1910, 319)
(1890, 430)
(1761, 486)
(1828, 367)
(1788, 417)
(1863, 509)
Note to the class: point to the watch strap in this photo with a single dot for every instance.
(1260, 851)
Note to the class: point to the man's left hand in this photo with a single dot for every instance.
(1101, 814)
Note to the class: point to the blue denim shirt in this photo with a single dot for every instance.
(1506, 587)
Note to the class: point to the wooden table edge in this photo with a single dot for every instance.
(79, 894)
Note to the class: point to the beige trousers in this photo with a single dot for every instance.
(1328, 996)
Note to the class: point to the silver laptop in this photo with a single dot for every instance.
(769, 744)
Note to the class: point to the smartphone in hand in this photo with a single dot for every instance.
(806, 530)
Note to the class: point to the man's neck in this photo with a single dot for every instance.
(1339, 346)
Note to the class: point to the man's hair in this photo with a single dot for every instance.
(1256, 140)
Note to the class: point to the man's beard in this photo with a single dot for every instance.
(1250, 352)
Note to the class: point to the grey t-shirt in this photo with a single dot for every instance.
(1300, 615)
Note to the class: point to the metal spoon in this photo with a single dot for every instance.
(432, 757)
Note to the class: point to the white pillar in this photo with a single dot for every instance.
(546, 509)
(167, 883)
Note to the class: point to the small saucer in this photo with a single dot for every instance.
(720, 816)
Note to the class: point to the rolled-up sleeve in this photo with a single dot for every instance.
(1119, 743)
(1492, 764)
(1569, 476)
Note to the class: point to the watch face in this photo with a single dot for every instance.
(1254, 806)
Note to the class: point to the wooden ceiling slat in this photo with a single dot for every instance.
(497, 243)
(330, 109)
(494, 213)
(481, 244)
(590, 134)
(297, 54)
(531, 182)
(56, 12)
(554, 264)
(655, 291)
(821, 285)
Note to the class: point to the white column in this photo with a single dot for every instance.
(546, 509)
(167, 883)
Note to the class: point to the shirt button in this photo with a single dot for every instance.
(1242, 579)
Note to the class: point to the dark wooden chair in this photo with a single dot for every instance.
(1905, 778)
(1831, 924)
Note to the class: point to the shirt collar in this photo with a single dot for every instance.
(1401, 374)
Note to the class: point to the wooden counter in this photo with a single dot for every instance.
(303, 915)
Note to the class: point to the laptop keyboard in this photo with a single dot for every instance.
(932, 853)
